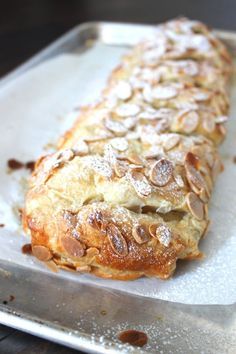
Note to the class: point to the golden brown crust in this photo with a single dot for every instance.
(127, 193)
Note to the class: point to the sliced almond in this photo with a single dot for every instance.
(140, 234)
(123, 90)
(201, 96)
(120, 169)
(164, 92)
(84, 269)
(171, 141)
(189, 121)
(140, 183)
(133, 337)
(92, 252)
(120, 144)
(52, 266)
(115, 126)
(179, 180)
(101, 166)
(42, 253)
(208, 124)
(152, 230)
(81, 148)
(221, 119)
(193, 175)
(164, 234)
(96, 220)
(216, 168)
(127, 109)
(135, 159)
(195, 205)
(161, 172)
(117, 240)
(72, 247)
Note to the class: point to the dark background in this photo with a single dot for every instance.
(26, 26)
(29, 25)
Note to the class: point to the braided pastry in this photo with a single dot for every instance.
(127, 192)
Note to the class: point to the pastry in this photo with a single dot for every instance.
(127, 192)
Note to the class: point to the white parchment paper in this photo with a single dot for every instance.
(32, 108)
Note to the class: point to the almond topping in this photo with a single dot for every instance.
(72, 246)
(140, 234)
(115, 126)
(92, 252)
(123, 90)
(208, 124)
(171, 141)
(161, 172)
(164, 234)
(189, 121)
(82, 269)
(135, 159)
(127, 109)
(96, 219)
(117, 240)
(42, 253)
(133, 337)
(195, 205)
(140, 183)
(221, 119)
(101, 166)
(193, 175)
(164, 92)
(120, 169)
(81, 148)
(120, 144)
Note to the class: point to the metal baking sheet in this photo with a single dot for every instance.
(88, 317)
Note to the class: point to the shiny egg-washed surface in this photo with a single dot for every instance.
(127, 192)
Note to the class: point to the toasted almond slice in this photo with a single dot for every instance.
(101, 166)
(192, 174)
(135, 159)
(140, 183)
(52, 266)
(221, 119)
(65, 155)
(42, 253)
(120, 144)
(72, 246)
(140, 234)
(203, 195)
(127, 109)
(81, 148)
(84, 269)
(222, 129)
(123, 90)
(164, 234)
(117, 240)
(208, 124)
(147, 93)
(92, 252)
(110, 154)
(129, 122)
(161, 172)
(164, 92)
(133, 337)
(171, 141)
(179, 180)
(195, 205)
(120, 169)
(96, 219)
(201, 96)
(189, 121)
(152, 229)
(115, 126)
